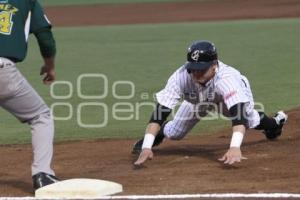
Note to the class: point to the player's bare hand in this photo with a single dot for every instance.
(49, 74)
(233, 155)
(144, 156)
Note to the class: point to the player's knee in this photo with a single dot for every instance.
(175, 133)
(44, 118)
(176, 137)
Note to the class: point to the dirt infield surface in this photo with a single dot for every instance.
(187, 166)
(172, 12)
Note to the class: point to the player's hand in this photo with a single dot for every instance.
(49, 74)
(144, 156)
(233, 155)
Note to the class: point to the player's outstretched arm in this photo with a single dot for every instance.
(239, 123)
(234, 153)
(151, 132)
(158, 117)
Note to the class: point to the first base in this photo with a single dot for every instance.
(79, 188)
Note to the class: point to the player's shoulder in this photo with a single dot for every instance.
(179, 72)
(180, 76)
(225, 70)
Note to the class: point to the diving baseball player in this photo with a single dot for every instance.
(19, 18)
(206, 84)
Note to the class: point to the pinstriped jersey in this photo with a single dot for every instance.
(227, 84)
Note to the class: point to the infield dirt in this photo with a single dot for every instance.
(187, 166)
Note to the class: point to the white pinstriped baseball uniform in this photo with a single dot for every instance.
(228, 87)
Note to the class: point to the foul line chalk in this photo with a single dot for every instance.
(181, 196)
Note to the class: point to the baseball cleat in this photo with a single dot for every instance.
(42, 179)
(280, 119)
(137, 147)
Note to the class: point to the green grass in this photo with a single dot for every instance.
(267, 51)
(89, 2)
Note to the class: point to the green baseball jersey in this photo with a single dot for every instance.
(19, 18)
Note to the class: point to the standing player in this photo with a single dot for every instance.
(19, 18)
(206, 84)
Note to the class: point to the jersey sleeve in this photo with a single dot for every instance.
(171, 94)
(231, 90)
(38, 18)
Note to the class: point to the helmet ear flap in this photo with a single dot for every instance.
(189, 71)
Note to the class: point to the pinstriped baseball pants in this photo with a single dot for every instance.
(188, 115)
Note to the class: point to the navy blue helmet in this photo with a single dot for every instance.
(201, 55)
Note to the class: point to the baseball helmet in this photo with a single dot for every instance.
(201, 55)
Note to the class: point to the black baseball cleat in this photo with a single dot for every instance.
(42, 179)
(280, 119)
(137, 147)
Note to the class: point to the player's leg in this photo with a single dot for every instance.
(272, 126)
(184, 120)
(29, 108)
